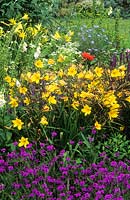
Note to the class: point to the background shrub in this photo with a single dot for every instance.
(123, 5)
(37, 10)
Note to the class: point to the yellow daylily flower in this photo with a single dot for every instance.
(75, 104)
(57, 36)
(23, 142)
(98, 71)
(38, 63)
(97, 125)
(12, 21)
(113, 113)
(72, 71)
(44, 121)
(38, 26)
(51, 61)
(18, 28)
(52, 100)
(67, 38)
(23, 90)
(123, 68)
(115, 73)
(8, 79)
(13, 102)
(86, 110)
(127, 99)
(22, 34)
(89, 75)
(35, 77)
(17, 123)
(25, 17)
(26, 101)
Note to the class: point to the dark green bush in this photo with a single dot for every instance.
(37, 10)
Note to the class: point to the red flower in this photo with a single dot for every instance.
(87, 56)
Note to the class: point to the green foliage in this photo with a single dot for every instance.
(17, 53)
(11, 9)
(90, 8)
(6, 139)
(5, 53)
(117, 147)
(122, 5)
(37, 10)
(89, 149)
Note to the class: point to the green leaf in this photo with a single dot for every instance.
(86, 141)
(8, 136)
(12, 147)
(78, 161)
(2, 134)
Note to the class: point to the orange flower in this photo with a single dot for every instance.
(87, 56)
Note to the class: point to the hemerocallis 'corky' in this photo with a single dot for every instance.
(17, 123)
(87, 56)
(23, 142)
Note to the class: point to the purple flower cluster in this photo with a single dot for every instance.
(43, 173)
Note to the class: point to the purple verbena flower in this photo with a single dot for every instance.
(10, 168)
(71, 142)
(113, 164)
(54, 134)
(108, 197)
(94, 131)
(50, 148)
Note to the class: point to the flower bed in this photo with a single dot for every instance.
(39, 171)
